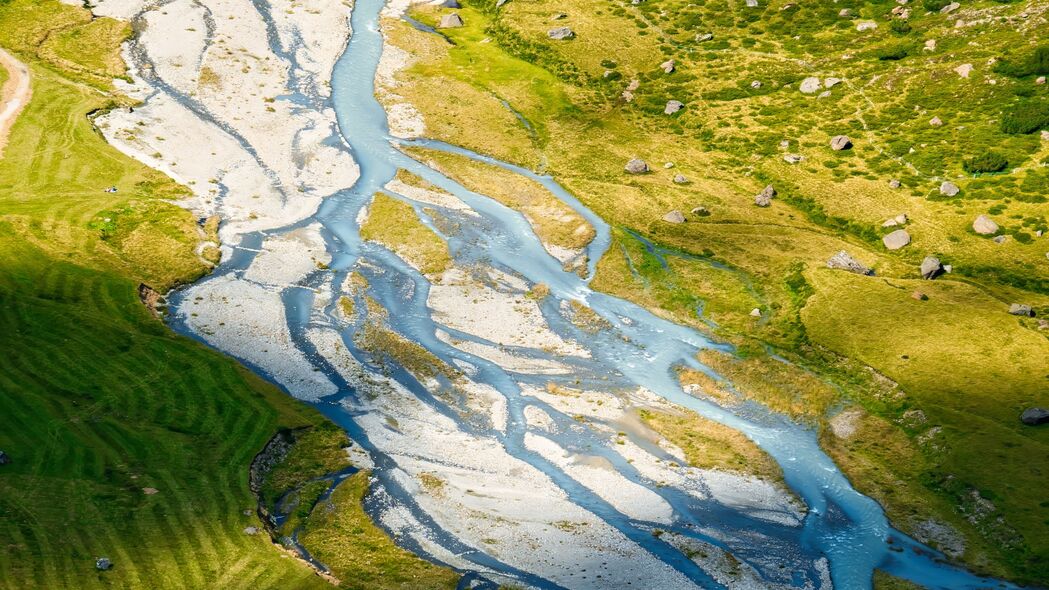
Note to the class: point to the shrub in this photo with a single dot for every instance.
(893, 52)
(1034, 63)
(900, 27)
(985, 162)
(1026, 117)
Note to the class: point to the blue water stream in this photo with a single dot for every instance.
(641, 349)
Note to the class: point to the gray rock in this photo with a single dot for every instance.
(949, 189)
(752, 3)
(824, 94)
(755, 84)
(499, 3)
(897, 239)
(950, 8)
(810, 85)
(931, 268)
(964, 70)
(674, 216)
(559, 16)
(560, 33)
(668, 66)
(844, 261)
(103, 564)
(673, 106)
(1035, 416)
(890, 223)
(680, 179)
(450, 21)
(755, 312)
(701, 212)
(867, 25)
(985, 226)
(792, 158)
(831, 82)
(894, 183)
(999, 239)
(4, 459)
(1021, 309)
(1039, 80)
(840, 142)
(704, 37)
(901, 218)
(845, 13)
(251, 530)
(636, 166)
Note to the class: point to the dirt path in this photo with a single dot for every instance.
(14, 95)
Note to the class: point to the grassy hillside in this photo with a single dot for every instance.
(125, 440)
(934, 385)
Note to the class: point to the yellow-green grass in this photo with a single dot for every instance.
(554, 222)
(710, 445)
(726, 143)
(359, 554)
(395, 224)
(383, 342)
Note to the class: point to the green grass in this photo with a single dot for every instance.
(98, 399)
(395, 224)
(726, 142)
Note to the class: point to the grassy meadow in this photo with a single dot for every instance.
(936, 382)
(126, 441)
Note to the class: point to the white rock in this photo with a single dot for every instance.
(810, 85)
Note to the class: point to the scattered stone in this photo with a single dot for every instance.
(947, 268)
(755, 84)
(103, 564)
(845, 13)
(1039, 80)
(867, 25)
(890, 223)
(845, 423)
(950, 8)
(668, 66)
(931, 268)
(919, 296)
(704, 37)
(1021, 309)
(896, 239)
(810, 85)
(844, 261)
(935, 122)
(701, 212)
(1035, 416)
(251, 530)
(985, 226)
(559, 16)
(824, 94)
(680, 179)
(840, 142)
(560, 33)
(636, 166)
(792, 158)
(764, 198)
(894, 183)
(674, 216)
(673, 106)
(784, 144)
(450, 21)
(942, 536)
(752, 3)
(668, 165)
(930, 45)
(4, 459)
(964, 70)
(149, 491)
(901, 218)
(1043, 324)
(499, 3)
(999, 239)
(949, 189)
(1045, 135)
(755, 313)
(831, 82)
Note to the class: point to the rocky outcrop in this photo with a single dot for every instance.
(680, 179)
(844, 261)
(949, 189)
(1021, 309)
(151, 298)
(103, 564)
(636, 166)
(701, 211)
(450, 21)
(1035, 416)
(985, 226)
(931, 268)
(840, 142)
(764, 198)
(560, 33)
(894, 183)
(792, 158)
(674, 216)
(897, 239)
(810, 85)
(673, 106)
(668, 66)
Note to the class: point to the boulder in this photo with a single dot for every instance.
(950, 8)
(930, 45)
(999, 239)
(901, 218)
(931, 268)
(668, 66)
(894, 183)
(450, 21)
(948, 188)
(824, 94)
(840, 142)
(891, 222)
(964, 70)
(680, 179)
(1045, 135)
(985, 226)
(1035, 416)
(762, 201)
(831, 82)
(935, 122)
(103, 563)
(755, 312)
(4, 459)
(499, 3)
(674, 216)
(704, 37)
(149, 491)
(844, 261)
(636, 166)
(701, 212)
(673, 106)
(867, 25)
(810, 85)
(896, 239)
(251, 530)
(1021, 309)
(845, 13)
(560, 33)
(755, 84)
(792, 158)
(752, 3)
